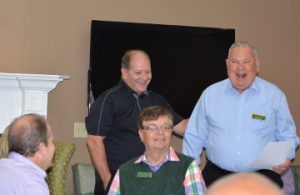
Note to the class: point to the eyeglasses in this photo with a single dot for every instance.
(154, 128)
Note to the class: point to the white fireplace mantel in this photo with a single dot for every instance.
(24, 93)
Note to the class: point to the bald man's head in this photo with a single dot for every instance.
(244, 184)
(26, 132)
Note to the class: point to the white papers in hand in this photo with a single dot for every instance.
(273, 154)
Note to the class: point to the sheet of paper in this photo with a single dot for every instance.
(273, 154)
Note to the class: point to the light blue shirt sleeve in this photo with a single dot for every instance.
(286, 126)
(195, 133)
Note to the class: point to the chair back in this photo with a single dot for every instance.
(83, 178)
(4, 144)
(57, 174)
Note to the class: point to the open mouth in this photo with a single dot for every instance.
(142, 84)
(160, 139)
(241, 75)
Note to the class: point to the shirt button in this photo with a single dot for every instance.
(238, 137)
(238, 153)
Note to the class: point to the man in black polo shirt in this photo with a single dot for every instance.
(112, 122)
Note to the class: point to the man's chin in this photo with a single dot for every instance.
(141, 90)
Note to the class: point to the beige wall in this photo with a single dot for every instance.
(52, 37)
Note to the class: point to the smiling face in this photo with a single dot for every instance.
(138, 75)
(242, 67)
(157, 134)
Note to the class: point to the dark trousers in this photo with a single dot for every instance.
(212, 172)
(99, 187)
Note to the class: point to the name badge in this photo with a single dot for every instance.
(258, 117)
(144, 174)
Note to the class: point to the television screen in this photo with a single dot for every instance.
(185, 60)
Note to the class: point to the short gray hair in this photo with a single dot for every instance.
(243, 44)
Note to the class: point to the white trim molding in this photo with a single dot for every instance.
(25, 93)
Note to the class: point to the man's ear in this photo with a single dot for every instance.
(257, 62)
(124, 73)
(141, 135)
(227, 63)
(42, 149)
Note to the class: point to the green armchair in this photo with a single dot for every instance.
(56, 177)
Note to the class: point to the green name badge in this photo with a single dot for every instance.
(258, 117)
(144, 175)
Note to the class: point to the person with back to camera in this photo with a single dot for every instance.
(235, 118)
(245, 183)
(111, 123)
(160, 170)
(31, 150)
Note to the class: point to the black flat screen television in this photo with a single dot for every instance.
(185, 60)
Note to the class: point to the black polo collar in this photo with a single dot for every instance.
(128, 89)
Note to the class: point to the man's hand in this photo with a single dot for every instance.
(281, 168)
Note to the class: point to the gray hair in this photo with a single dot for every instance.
(243, 44)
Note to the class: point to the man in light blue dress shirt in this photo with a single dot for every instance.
(235, 118)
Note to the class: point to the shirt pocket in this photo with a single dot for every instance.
(262, 118)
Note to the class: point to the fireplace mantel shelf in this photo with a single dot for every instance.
(25, 93)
